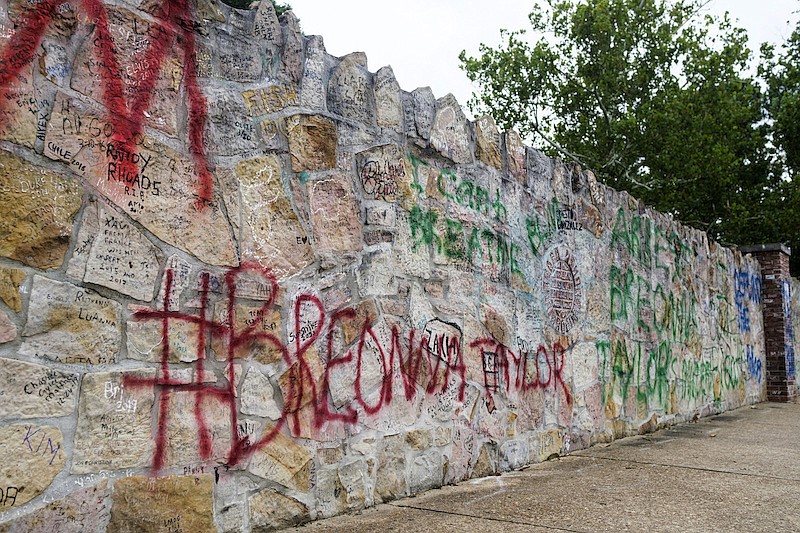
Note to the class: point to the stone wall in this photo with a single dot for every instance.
(246, 284)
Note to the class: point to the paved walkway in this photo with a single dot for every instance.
(739, 471)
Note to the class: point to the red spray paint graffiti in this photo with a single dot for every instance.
(166, 386)
(173, 27)
(527, 371)
(423, 365)
(415, 362)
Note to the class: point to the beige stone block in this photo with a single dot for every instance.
(312, 142)
(20, 109)
(271, 231)
(10, 279)
(283, 461)
(388, 100)
(145, 178)
(180, 503)
(37, 209)
(270, 510)
(450, 134)
(34, 391)
(113, 423)
(83, 511)
(184, 422)
(90, 72)
(71, 324)
(390, 479)
(145, 337)
(32, 457)
(119, 256)
(335, 217)
(257, 396)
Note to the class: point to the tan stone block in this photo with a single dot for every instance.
(129, 47)
(352, 476)
(550, 444)
(483, 466)
(335, 217)
(385, 173)
(145, 179)
(366, 313)
(10, 278)
(113, 253)
(32, 457)
(20, 109)
(71, 324)
(144, 339)
(32, 391)
(184, 421)
(62, 24)
(271, 231)
(113, 423)
(81, 511)
(261, 320)
(419, 439)
(283, 461)
(487, 142)
(37, 209)
(269, 509)
(312, 142)
(8, 331)
(516, 156)
(180, 503)
(329, 456)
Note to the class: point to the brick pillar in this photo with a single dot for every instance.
(778, 334)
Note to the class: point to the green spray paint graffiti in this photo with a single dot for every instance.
(651, 246)
(666, 313)
(459, 190)
(632, 365)
(657, 348)
(447, 237)
(556, 218)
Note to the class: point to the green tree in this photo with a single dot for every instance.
(245, 4)
(652, 96)
(780, 70)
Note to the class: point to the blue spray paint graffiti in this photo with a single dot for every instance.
(747, 288)
(787, 320)
(754, 364)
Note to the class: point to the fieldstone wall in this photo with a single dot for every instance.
(247, 284)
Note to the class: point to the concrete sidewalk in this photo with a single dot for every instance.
(738, 471)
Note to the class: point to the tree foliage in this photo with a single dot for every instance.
(246, 4)
(656, 99)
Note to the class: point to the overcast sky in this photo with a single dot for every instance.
(421, 39)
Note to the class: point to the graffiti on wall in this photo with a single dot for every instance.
(747, 289)
(127, 105)
(789, 342)
(429, 362)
